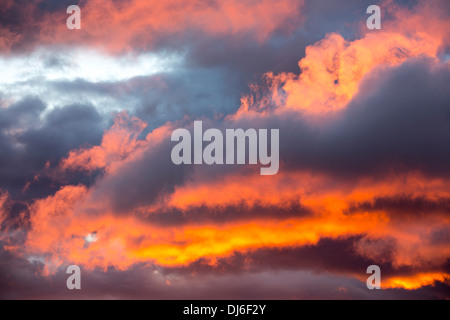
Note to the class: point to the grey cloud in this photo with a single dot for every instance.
(399, 207)
(144, 182)
(400, 124)
(21, 279)
(227, 214)
(41, 138)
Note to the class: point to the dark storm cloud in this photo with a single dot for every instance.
(152, 176)
(226, 214)
(340, 16)
(405, 206)
(187, 93)
(18, 24)
(280, 53)
(23, 281)
(401, 122)
(23, 113)
(406, 121)
(21, 20)
(16, 116)
(56, 5)
(442, 236)
(12, 15)
(39, 138)
(145, 182)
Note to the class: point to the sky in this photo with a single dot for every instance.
(86, 176)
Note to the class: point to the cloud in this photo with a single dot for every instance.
(200, 283)
(333, 69)
(3, 199)
(139, 178)
(401, 122)
(31, 138)
(86, 146)
(139, 24)
(403, 205)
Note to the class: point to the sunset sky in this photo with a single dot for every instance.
(86, 176)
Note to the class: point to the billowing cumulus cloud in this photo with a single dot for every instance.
(86, 175)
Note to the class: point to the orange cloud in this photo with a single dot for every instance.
(62, 223)
(137, 24)
(60, 228)
(328, 198)
(3, 199)
(332, 72)
(416, 281)
(333, 69)
(118, 143)
(311, 189)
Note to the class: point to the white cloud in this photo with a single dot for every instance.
(32, 74)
